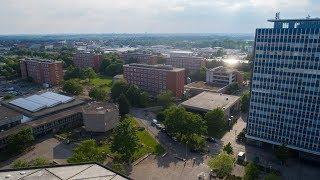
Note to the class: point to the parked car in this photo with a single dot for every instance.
(154, 122)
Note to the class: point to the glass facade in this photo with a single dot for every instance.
(285, 96)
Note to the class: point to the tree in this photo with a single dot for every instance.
(133, 95)
(73, 86)
(199, 75)
(228, 148)
(222, 164)
(88, 151)
(111, 65)
(245, 100)
(216, 121)
(272, 176)
(71, 72)
(187, 126)
(98, 94)
(251, 172)
(124, 105)
(39, 162)
(282, 153)
(8, 96)
(125, 140)
(143, 99)
(233, 88)
(87, 73)
(20, 141)
(20, 163)
(118, 88)
(165, 98)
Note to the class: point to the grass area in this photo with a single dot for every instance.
(149, 144)
(102, 81)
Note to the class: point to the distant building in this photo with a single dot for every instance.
(88, 171)
(100, 117)
(179, 53)
(208, 101)
(48, 47)
(155, 78)
(83, 59)
(223, 76)
(138, 57)
(198, 87)
(42, 71)
(285, 91)
(190, 63)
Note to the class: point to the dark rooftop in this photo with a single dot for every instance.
(7, 113)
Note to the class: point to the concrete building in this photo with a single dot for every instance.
(82, 59)
(223, 76)
(9, 118)
(42, 71)
(155, 78)
(190, 63)
(84, 171)
(198, 87)
(207, 101)
(100, 117)
(285, 91)
(42, 114)
(138, 57)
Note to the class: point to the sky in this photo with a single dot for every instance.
(151, 16)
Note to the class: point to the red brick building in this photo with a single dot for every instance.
(87, 59)
(42, 70)
(190, 63)
(137, 57)
(155, 78)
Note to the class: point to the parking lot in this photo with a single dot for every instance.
(18, 88)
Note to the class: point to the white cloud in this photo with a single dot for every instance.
(93, 16)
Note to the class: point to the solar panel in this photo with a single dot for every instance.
(58, 97)
(27, 104)
(43, 100)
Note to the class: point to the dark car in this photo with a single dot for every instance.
(211, 139)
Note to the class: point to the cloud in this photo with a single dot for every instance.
(103, 16)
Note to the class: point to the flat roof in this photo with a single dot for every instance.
(207, 101)
(299, 19)
(59, 172)
(157, 66)
(36, 102)
(99, 107)
(7, 113)
(45, 111)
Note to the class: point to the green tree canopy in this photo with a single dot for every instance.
(87, 73)
(20, 141)
(216, 121)
(125, 140)
(199, 75)
(133, 94)
(111, 65)
(98, 93)
(118, 88)
(88, 151)
(73, 86)
(143, 99)
(124, 105)
(222, 164)
(272, 176)
(251, 172)
(165, 98)
(228, 148)
(245, 100)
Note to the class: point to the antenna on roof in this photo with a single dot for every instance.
(308, 17)
(277, 15)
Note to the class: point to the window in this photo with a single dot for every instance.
(285, 25)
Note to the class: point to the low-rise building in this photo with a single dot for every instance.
(82, 59)
(207, 101)
(43, 71)
(138, 57)
(155, 78)
(198, 87)
(84, 171)
(100, 117)
(223, 76)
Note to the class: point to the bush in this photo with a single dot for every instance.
(222, 164)
(73, 86)
(251, 172)
(228, 148)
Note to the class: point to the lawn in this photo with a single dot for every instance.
(102, 81)
(149, 144)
